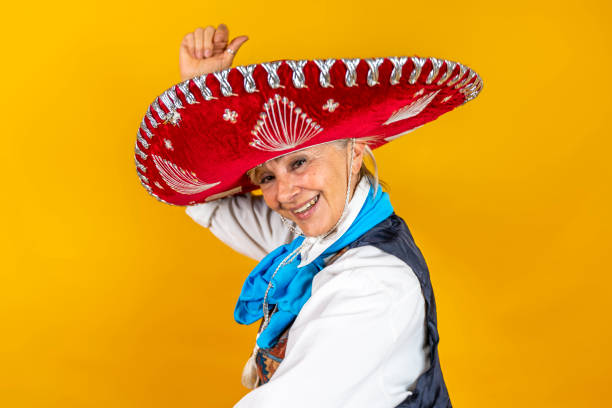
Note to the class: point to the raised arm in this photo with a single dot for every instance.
(206, 50)
(244, 222)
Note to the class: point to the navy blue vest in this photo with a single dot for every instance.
(392, 236)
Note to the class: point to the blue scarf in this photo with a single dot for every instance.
(292, 285)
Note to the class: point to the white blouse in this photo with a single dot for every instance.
(360, 340)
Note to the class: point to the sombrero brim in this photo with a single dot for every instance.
(200, 137)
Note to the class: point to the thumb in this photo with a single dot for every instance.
(235, 45)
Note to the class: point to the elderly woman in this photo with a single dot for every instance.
(347, 312)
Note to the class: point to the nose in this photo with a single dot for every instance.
(287, 189)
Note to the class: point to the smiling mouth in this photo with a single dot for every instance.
(307, 206)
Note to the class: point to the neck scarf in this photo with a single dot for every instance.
(291, 286)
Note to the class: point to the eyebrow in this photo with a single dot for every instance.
(255, 173)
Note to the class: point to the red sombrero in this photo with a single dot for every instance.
(200, 137)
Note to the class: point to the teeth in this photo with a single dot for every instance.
(307, 205)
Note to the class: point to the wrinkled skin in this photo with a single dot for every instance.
(317, 174)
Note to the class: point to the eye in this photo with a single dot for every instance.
(266, 179)
(298, 163)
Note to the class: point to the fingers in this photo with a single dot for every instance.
(234, 45)
(199, 42)
(220, 39)
(188, 44)
(209, 32)
(202, 51)
(203, 41)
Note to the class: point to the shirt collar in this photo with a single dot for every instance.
(315, 246)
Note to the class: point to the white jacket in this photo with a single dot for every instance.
(360, 340)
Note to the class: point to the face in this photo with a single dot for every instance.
(309, 186)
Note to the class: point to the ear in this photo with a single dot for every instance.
(358, 150)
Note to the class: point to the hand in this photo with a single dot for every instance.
(204, 51)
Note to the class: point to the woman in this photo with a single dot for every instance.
(343, 294)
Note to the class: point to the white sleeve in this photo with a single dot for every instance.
(244, 222)
(357, 342)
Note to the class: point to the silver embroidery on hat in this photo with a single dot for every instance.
(179, 179)
(467, 80)
(142, 140)
(271, 68)
(373, 64)
(470, 87)
(200, 82)
(282, 126)
(173, 117)
(398, 64)
(247, 74)
(393, 137)
(298, 78)
(477, 87)
(142, 154)
(462, 69)
(450, 67)
(152, 120)
(479, 84)
(184, 87)
(161, 199)
(158, 109)
(468, 90)
(156, 184)
(412, 109)
(168, 144)
(167, 102)
(230, 115)
(416, 70)
(157, 197)
(330, 105)
(436, 64)
(226, 88)
(145, 185)
(145, 129)
(351, 71)
(447, 98)
(139, 165)
(174, 98)
(144, 181)
(324, 67)
(475, 93)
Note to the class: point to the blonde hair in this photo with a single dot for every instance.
(364, 171)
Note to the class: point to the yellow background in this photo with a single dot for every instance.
(109, 298)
